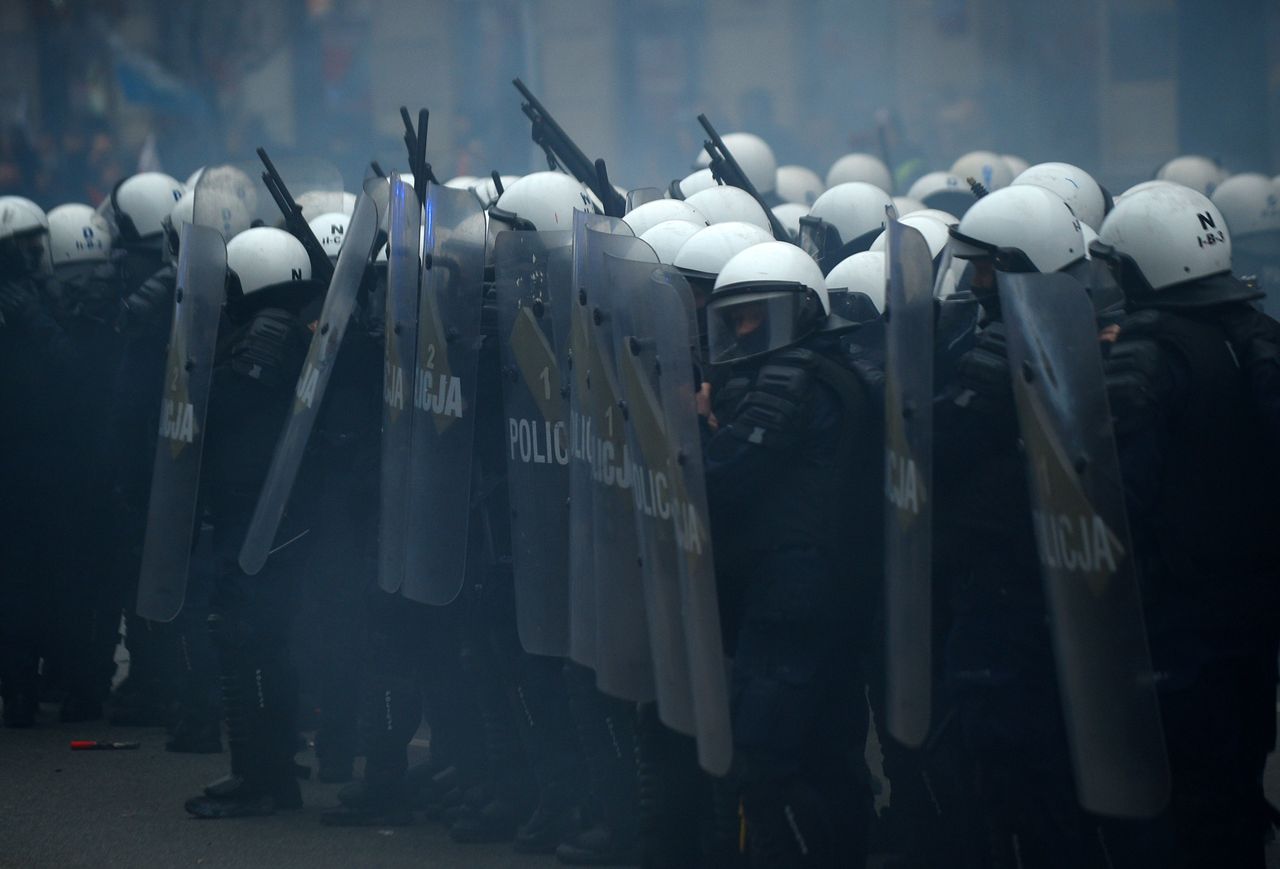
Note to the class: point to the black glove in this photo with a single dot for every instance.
(982, 374)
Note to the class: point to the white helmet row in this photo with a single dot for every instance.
(986, 167)
(705, 253)
(1076, 187)
(1250, 202)
(866, 168)
(864, 273)
(668, 237)
(853, 212)
(1191, 170)
(20, 216)
(1170, 235)
(769, 296)
(140, 203)
(754, 157)
(264, 257)
(722, 204)
(547, 200)
(789, 214)
(330, 230)
(644, 217)
(1029, 223)
(943, 190)
(78, 234)
(798, 184)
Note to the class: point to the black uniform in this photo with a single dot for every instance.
(254, 371)
(1200, 486)
(793, 477)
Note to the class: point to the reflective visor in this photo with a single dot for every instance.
(750, 323)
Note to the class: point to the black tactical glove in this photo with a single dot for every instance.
(982, 374)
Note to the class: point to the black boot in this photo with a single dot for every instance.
(393, 711)
(670, 785)
(606, 729)
(788, 826)
(259, 698)
(511, 789)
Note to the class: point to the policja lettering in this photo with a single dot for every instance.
(540, 442)
(442, 398)
(1080, 543)
(178, 421)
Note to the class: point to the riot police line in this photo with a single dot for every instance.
(653, 504)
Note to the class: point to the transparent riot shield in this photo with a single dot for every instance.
(537, 437)
(175, 479)
(404, 267)
(655, 360)
(574, 347)
(623, 661)
(326, 339)
(444, 397)
(908, 482)
(233, 197)
(1086, 556)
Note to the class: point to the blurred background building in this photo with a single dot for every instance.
(93, 89)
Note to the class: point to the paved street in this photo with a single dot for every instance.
(60, 808)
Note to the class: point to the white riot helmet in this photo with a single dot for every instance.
(462, 182)
(986, 167)
(226, 199)
(1023, 228)
(753, 155)
(789, 214)
(78, 234)
(724, 204)
(1169, 246)
(705, 253)
(798, 184)
(844, 221)
(943, 216)
(487, 191)
(1251, 204)
(694, 182)
(944, 191)
(860, 167)
(861, 274)
(1076, 187)
(669, 236)
(330, 230)
(935, 234)
(1016, 164)
(264, 259)
(183, 212)
(905, 205)
(317, 202)
(140, 203)
(1146, 185)
(767, 297)
(1191, 170)
(24, 235)
(546, 200)
(644, 217)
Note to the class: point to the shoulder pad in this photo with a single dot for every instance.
(267, 347)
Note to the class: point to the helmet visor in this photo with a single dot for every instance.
(743, 325)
